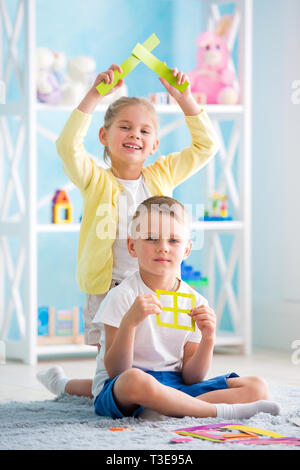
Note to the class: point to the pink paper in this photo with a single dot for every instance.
(184, 439)
(272, 440)
(207, 426)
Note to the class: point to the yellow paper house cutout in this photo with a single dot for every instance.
(175, 309)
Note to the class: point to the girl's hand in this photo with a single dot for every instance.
(205, 319)
(184, 99)
(93, 97)
(143, 306)
(181, 78)
(108, 78)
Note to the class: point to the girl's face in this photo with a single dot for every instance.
(131, 137)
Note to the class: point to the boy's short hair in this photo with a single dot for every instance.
(160, 205)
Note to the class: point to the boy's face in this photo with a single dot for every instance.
(131, 138)
(161, 243)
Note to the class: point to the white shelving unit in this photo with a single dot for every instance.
(18, 272)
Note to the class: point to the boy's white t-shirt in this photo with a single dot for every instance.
(134, 192)
(155, 347)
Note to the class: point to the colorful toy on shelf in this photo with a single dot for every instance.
(160, 98)
(214, 80)
(192, 277)
(65, 82)
(61, 208)
(49, 75)
(60, 328)
(219, 208)
(80, 77)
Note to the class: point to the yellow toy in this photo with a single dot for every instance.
(175, 309)
(61, 202)
(219, 208)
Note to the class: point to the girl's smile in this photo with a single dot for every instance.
(130, 139)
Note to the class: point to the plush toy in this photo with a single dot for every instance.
(81, 75)
(50, 66)
(213, 79)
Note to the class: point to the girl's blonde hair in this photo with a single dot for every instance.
(116, 106)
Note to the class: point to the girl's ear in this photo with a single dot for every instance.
(130, 247)
(155, 147)
(103, 136)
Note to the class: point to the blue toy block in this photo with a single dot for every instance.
(43, 321)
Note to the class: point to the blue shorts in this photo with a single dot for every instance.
(105, 404)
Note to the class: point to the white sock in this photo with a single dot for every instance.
(246, 410)
(53, 379)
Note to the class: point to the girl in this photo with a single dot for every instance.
(110, 197)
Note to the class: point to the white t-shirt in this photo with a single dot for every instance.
(134, 192)
(155, 347)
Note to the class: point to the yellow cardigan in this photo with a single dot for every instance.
(100, 190)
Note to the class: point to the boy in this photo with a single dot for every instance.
(143, 364)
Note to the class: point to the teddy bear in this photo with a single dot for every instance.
(49, 75)
(213, 81)
(81, 76)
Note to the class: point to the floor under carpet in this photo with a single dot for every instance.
(70, 423)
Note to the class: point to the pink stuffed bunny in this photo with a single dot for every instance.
(213, 80)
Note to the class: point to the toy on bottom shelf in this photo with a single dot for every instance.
(60, 328)
(61, 204)
(161, 98)
(191, 277)
(219, 208)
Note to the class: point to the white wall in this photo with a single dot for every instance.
(276, 173)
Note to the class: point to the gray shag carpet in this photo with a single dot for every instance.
(70, 423)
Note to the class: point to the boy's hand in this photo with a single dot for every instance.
(184, 99)
(205, 319)
(143, 306)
